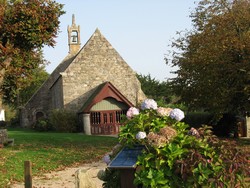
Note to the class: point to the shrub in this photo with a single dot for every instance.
(196, 119)
(111, 178)
(177, 156)
(2, 124)
(226, 124)
(10, 113)
(63, 120)
(11, 116)
(14, 122)
(42, 125)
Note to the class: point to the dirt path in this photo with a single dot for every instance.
(66, 178)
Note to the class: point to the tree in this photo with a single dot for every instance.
(25, 27)
(214, 57)
(21, 96)
(155, 89)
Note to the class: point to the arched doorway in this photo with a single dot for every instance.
(39, 115)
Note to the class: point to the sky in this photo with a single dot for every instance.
(140, 30)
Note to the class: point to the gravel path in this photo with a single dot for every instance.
(66, 178)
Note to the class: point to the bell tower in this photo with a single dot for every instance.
(74, 37)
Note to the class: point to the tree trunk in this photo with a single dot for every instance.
(3, 68)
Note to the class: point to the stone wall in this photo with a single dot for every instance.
(3, 136)
(38, 103)
(57, 94)
(75, 79)
(42, 100)
(97, 63)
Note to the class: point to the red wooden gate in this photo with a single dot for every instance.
(106, 122)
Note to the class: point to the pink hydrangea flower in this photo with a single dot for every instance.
(140, 135)
(177, 114)
(164, 111)
(194, 132)
(149, 104)
(132, 111)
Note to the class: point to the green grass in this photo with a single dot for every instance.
(49, 152)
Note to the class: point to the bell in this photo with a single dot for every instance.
(74, 38)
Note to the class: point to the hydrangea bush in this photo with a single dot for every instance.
(178, 156)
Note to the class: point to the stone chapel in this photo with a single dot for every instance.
(93, 81)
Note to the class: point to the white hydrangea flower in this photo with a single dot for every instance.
(140, 135)
(149, 104)
(132, 111)
(177, 114)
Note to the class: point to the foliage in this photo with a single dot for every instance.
(39, 75)
(17, 97)
(196, 119)
(25, 27)
(49, 152)
(155, 89)
(227, 126)
(11, 116)
(59, 120)
(111, 178)
(2, 124)
(63, 120)
(175, 156)
(213, 58)
(10, 113)
(42, 125)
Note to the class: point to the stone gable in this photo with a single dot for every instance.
(96, 63)
(76, 78)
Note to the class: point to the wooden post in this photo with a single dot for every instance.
(127, 178)
(248, 126)
(27, 174)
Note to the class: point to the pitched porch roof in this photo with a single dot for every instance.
(103, 91)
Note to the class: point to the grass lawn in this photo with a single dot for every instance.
(49, 152)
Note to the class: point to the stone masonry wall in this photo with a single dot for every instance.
(98, 62)
(56, 94)
(38, 103)
(76, 78)
(42, 100)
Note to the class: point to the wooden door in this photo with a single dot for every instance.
(105, 122)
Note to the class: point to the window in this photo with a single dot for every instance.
(74, 37)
